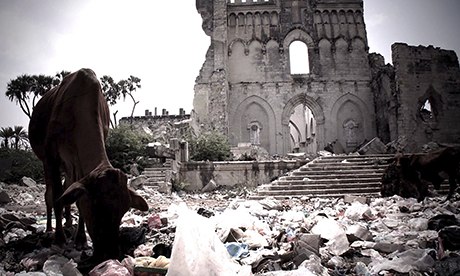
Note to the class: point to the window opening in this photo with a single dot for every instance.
(298, 58)
(426, 111)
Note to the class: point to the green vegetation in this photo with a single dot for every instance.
(14, 164)
(211, 146)
(126, 147)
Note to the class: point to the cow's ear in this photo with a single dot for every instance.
(137, 201)
(73, 193)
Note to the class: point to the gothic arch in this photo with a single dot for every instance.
(249, 19)
(352, 98)
(269, 128)
(298, 34)
(324, 46)
(349, 98)
(357, 43)
(318, 114)
(234, 42)
(274, 20)
(232, 20)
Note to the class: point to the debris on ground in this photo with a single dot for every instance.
(226, 233)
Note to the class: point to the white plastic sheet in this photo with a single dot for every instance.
(198, 251)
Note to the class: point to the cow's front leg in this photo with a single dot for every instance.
(80, 236)
(49, 205)
(54, 182)
(67, 214)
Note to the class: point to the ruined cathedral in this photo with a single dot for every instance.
(248, 90)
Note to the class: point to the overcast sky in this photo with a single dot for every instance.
(162, 42)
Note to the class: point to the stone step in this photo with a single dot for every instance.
(348, 160)
(324, 186)
(358, 175)
(319, 173)
(323, 192)
(156, 179)
(340, 166)
(156, 169)
(327, 181)
(154, 175)
(355, 157)
(330, 195)
(332, 176)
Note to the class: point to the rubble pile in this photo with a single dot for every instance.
(225, 233)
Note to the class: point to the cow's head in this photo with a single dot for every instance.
(103, 198)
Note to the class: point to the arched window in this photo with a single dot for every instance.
(426, 111)
(298, 58)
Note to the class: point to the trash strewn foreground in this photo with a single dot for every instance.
(224, 233)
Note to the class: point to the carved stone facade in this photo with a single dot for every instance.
(245, 88)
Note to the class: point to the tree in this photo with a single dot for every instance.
(20, 136)
(128, 87)
(6, 133)
(59, 77)
(111, 93)
(27, 87)
(114, 90)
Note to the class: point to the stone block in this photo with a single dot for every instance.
(28, 182)
(138, 182)
(374, 146)
(211, 186)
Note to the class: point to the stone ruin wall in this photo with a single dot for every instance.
(421, 74)
(246, 76)
(161, 127)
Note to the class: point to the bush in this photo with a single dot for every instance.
(211, 146)
(14, 164)
(126, 147)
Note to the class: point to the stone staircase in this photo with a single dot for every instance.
(332, 176)
(157, 173)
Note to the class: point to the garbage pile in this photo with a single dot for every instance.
(223, 234)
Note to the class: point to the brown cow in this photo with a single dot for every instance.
(434, 167)
(67, 131)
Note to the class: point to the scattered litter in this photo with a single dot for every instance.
(225, 233)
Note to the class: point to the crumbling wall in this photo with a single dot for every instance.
(386, 105)
(427, 74)
(210, 101)
(246, 79)
(162, 128)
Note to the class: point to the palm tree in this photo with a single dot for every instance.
(20, 136)
(7, 133)
(18, 90)
(26, 87)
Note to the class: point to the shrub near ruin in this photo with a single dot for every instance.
(14, 164)
(126, 147)
(211, 146)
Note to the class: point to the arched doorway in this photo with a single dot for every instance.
(303, 125)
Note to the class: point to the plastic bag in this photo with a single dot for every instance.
(57, 265)
(110, 268)
(198, 251)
